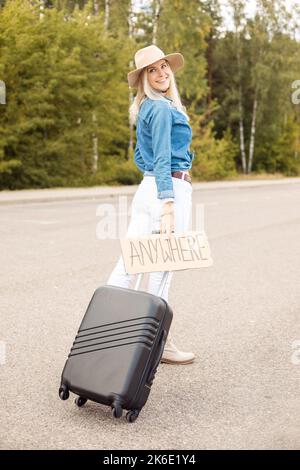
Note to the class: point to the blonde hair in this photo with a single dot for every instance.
(145, 90)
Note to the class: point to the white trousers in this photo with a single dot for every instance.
(146, 213)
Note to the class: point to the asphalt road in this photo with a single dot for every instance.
(240, 317)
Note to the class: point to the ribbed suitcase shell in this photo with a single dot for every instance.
(117, 349)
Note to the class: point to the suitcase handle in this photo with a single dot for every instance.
(161, 350)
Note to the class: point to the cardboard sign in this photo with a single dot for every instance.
(166, 253)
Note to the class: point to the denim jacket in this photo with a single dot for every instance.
(163, 139)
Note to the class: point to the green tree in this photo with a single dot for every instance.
(57, 74)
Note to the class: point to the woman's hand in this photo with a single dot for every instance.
(167, 223)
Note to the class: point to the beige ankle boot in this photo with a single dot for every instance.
(172, 355)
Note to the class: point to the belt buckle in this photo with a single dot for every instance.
(185, 173)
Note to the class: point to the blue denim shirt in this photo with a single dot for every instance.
(163, 139)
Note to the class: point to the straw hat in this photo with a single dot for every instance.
(147, 56)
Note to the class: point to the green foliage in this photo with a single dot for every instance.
(124, 172)
(65, 69)
(59, 76)
(214, 158)
(282, 154)
(270, 59)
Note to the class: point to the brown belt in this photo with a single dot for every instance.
(179, 174)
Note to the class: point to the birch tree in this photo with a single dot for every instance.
(131, 66)
(157, 6)
(239, 21)
(106, 14)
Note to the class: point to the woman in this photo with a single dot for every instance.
(163, 199)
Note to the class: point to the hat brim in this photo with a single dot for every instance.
(176, 61)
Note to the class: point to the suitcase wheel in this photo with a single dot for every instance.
(63, 393)
(132, 415)
(80, 401)
(117, 411)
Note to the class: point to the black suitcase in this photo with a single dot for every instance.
(118, 348)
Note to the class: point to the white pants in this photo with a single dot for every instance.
(146, 212)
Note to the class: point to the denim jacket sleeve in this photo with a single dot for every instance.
(138, 158)
(161, 127)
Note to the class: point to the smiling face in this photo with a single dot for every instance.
(158, 75)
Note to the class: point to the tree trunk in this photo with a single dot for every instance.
(241, 111)
(95, 147)
(95, 158)
(242, 134)
(42, 9)
(237, 8)
(96, 7)
(158, 5)
(2, 92)
(106, 13)
(131, 65)
(209, 70)
(252, 136)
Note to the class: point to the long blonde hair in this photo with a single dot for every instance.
(145, 90)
